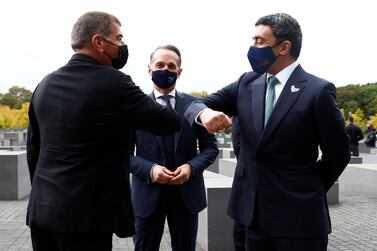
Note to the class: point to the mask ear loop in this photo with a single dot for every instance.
(113, 45)
(276, 44)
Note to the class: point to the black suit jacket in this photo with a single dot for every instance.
(354, 133)
(81, 118)
(149, 150)
(279, 182)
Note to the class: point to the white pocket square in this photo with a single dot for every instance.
(294, 89)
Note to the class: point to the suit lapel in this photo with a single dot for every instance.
(158, 138)
(258, 91)
(286, 100)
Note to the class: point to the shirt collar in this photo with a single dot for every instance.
(284, 74)
(158, 94)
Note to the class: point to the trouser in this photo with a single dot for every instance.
(183, 226)
(239, 236)
(46, 240)
(354, 149)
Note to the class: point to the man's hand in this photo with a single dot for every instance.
(214, 121)
(161, 174)
(182, 174)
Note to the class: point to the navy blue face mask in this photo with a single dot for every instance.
(262, 58)
(164, 78)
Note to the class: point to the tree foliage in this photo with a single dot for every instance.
(353, 97)
(201, 94)
(14, 118)
(15, 97)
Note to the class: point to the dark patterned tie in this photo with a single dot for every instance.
(169, 141)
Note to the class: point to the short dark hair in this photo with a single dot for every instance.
(284, 27)
(350, 119)
(89, 24)
(170, 48)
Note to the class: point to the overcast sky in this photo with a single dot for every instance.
(339, 38)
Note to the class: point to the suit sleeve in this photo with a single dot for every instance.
(334, 142)
(236, 136)
(139, 166)
(145, 114)
(32, 143)
(208, 150)
(223, 100)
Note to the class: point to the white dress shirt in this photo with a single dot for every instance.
(283, 77)
(159, 100)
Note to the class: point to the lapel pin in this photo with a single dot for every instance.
(294, 89)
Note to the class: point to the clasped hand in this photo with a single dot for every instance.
(162, 175)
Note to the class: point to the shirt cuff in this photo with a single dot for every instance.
(151, 173)
(197, 117)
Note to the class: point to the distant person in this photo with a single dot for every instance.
(167, 181)
(370, 140)
(239, 230)
(284, 115)
(355, 134)
(81, 118)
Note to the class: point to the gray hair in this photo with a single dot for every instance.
(170, 48)
(284, 27)
(90, 24)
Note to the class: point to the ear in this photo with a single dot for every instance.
(150, 70)
(97, 43)
(285, 47)
(179, 72)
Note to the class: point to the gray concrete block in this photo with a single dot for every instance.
(368, 159)
(359, 179)
(215, 227)
(355, 160)
(363, 148)
(228, 153)
(223, 153)
(5, 142)
(227, 167)
(333, 194)
(14, 175)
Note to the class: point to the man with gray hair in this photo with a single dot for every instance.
(284, 115)
(81, 117)
(167, 171)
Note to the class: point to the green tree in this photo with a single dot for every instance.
(373, 106)
(368, 94)
(347, 97)
(15, 97)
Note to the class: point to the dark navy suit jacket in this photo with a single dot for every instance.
(78, 147)
(149, 150)
(279, 181)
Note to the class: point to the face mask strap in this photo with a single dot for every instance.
(111, 44)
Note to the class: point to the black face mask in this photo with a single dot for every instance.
(122, 58)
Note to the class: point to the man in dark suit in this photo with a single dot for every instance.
(239, 235)
(355, 134)
(81, 118)
(285, 114)
(167, 180)
(370, 140)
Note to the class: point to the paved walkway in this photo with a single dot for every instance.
(354, 227)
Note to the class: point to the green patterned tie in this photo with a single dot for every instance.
(272, 81)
